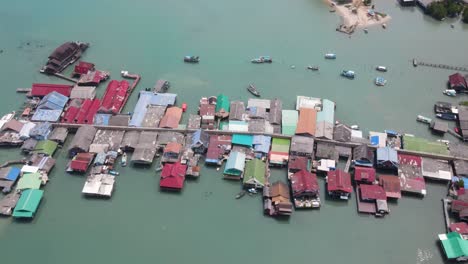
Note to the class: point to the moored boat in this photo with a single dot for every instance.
(251, 88)
(330, 56)
(241, 194)
(381, 68)
(450, 92)
(262, 59)
(423, 119)
(192, 59)
(447, 116)
(124, 159)
(348, 74)
(7, 118)
(313, 68)
(379, 81)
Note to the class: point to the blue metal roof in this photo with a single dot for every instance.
(102, 119)
(387, 153)
(166, 99)
(53, 101)
(140, 108)
(241, 139)
(47, 115)
(261, 143)
(328, 112)
(41, 131)
(13, 174)
(236, 161)
(200, 137)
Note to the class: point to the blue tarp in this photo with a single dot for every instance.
(140, 108)
(374, 140)
(165, 99)
(47, 115)
(41, 131)
(102, 119)
(13, 174)
(261, 143)
(53, 101)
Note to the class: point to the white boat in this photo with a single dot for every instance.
(355, 127)
(423, 119)
(330, 56)
(381, 68)
(450, 92)
(124, 159)
(379, 81)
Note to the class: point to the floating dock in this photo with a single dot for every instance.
(23, 90)
(440, 66)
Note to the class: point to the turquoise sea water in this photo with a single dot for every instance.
(205, 224)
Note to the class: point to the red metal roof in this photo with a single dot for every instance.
(458, 205)
(365, 174)
(207, 110)
(339, 180)
(70, 114)
(173, 176)
(120, 96)
(461, 228)
(81, 161)
(409, 159)
(81, 116)
(297, 163)
(172, 118)
(217, 145)
(89, 119)
(173, 147)
(307, 121)
(457, 80)
(391, 185)
(372, 192)
(109, 94)
(83, 67)
(42, 89)
(304, 182)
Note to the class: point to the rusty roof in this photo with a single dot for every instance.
(306, 122)
(172, 118)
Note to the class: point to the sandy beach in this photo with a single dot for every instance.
(356, 14)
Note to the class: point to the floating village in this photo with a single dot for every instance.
(243, 140)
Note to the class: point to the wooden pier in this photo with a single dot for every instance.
(11, 162)
(61, 76)
(136, 79)
(440, 66)
(23, 90)
(445, 203)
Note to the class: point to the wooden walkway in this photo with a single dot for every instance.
(440, 66)
(61, 76)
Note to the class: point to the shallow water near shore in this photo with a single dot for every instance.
(205, 224)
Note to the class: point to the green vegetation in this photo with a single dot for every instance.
(465, 15)
(367, 2)
(445, 8)
(465, 103)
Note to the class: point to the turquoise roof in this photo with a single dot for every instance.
(454, 245)
(241, 139)
(222, 103)
(235, 164)
(328, 112)
(289, 122)
(28, 203)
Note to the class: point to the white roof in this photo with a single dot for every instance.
(326, 165)
(29, 169)
(263, 103)
(356, 133)
(308, 102)
(83, 92)
(27, 127)
(99, 184)
(238, 126)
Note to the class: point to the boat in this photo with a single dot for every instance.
(124, 159)
(379, 81)
(446, 142)
(447, 116)
(381, 68)
(330, 56)
(192, 59)
(450, 92)
(366, 31)
(415, 63)
(251, 88)
(354, 127)
(241, 194)
(252, 191)
(313, 68)
(7, 118)
(423, 119)
(262, 59)
(348, 74)
(384, 25)
(184, 107)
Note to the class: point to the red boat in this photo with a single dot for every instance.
(184, 107)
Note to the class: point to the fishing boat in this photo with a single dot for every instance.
(251, 88)
(313, 68)
(192, 59)
(381, 68)
(330, 56)
(379, 81)
(348, 74)
(450, 92)
(124, 160)
(184, 107)
(447, 116)
(241, 194)
(423, 119)
(354, 127)
(262, 59)
(252, 191)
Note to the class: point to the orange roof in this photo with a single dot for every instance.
(172, 147)
(306, 123)
(172, 118)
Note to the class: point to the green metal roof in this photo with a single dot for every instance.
(242, 139)
(454, 245)
(255, 172)
(29, 181)
(280, 145)
(235, 164)
(424, 145)
(328, 112)
(28, 203)
(289, 122)
(47, 147)
(222, 102)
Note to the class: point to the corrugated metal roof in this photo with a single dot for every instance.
(387, 154)
(153, 115)
(102, 119)
(41, 130)
(222, 103)
(29, 181)
(46, 115)
(242, 139)
(280, 145)
(237, 110)
(255, 172)
(28, 203)
(328, 112)
(235, 163)
(289, 122)
(83, 92)
(307, 121)
(308, 102)
(27, 127)
(262, 103)
(46, 147)
(53, 101)
(378, 139)
(42, 89)
(166, 99)
(235, 125)
(140, 108)
(261, 143)
(324, 129)
(276, 107)
(172, 117)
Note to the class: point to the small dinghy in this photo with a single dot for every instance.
(124, 160)
(348, 74)
(251, 88)
(241, 194)
(381, 68)
(192, 59)
(379, 81)
(313, 68)
(330, 56)
(262, 59)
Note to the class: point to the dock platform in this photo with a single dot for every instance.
(440, 66)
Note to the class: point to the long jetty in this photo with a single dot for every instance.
(66, 78)
(440, 66)
(223, 132)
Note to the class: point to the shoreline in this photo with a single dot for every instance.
(360, 19)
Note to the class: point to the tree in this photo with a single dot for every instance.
(437, 10)
(465, 15)
(453, 8)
